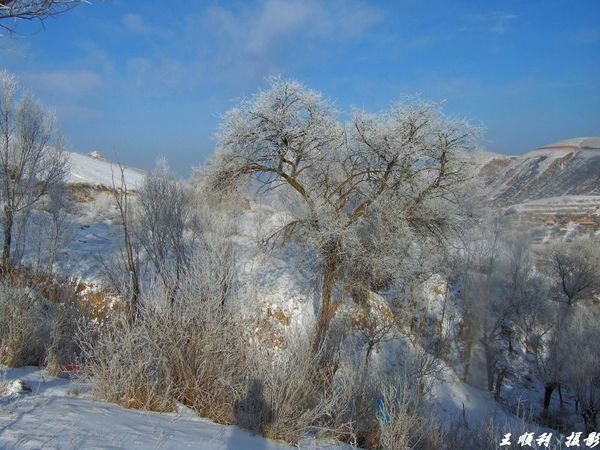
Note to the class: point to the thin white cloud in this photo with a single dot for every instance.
(252, 37)
(135, 23)
(65, 82)
(241, 42)
(96, 57)
(495, 23)
(163, 72)
(75, 112)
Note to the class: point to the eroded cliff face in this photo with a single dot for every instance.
(553, 191)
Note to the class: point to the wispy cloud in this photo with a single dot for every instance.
(494, 23)
(162, 72)
(254, 36)
(241, 42)
(135, 23)
(452, 87)
(74, 83)
(79, 113)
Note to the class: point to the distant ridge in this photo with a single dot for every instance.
(553, 191)
(583, 143)
(568, 167)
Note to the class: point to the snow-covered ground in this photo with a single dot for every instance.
(573, 204)
(99, 172)
(61, 414)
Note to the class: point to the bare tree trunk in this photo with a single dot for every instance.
(133, 271)
(499, 381)
(489, 367)
(325, 315)
(590, 417)
(560, 395)
(120, 194)
(441, 327)
(7, 228)
(467, 359)
(548, 389)
(368, 355)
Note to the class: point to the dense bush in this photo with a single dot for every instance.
(191, 354)
(25, 326)
(202, 354)
(35, 331)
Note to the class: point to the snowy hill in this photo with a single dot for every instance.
(96, 171)
(554, 189)
(570, 167)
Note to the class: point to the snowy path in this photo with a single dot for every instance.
(53, 417)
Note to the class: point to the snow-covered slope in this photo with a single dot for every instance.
(554, 190)
(61, 414)
(570, 167)
(94, 170)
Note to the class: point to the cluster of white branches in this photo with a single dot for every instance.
(371, 194)
(32, 163)
(545, 300)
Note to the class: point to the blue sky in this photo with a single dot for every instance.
(138, 79)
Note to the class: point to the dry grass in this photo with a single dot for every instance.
(35, 331)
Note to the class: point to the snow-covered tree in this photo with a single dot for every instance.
(575, 269)
(369, 194)
(29, 163)
(163, 211)
(129, 286)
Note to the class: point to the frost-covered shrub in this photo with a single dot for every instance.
(293, 392)
(25, 326)
(125, 367)
(191, 354)
(34, 330)
(63, 348)
(402, 417)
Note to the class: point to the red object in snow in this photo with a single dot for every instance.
(72, 368)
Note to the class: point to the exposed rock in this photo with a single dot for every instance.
(96, 155)
(553, 190)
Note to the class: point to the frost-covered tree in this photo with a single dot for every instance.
(553, 350)
(573, 273)
(49, 230)
(368, 194)
(163, 212)
(575, 269)
(503, 297)
(583, 366)
(130, 286)
(31, 159)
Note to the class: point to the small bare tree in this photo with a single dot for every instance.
(29, 166)
(163, 212)
(575, 267)
(50, 230)
(121, 196)
(583, 366)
